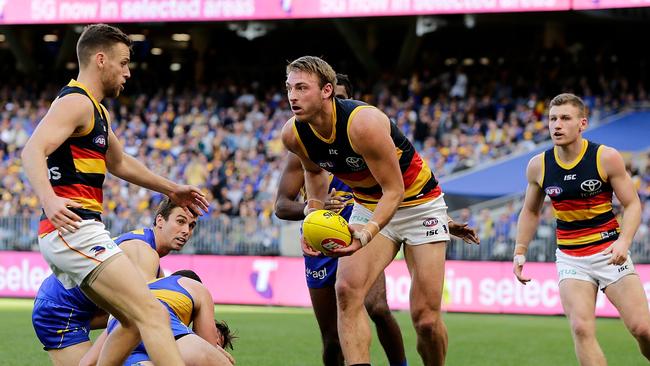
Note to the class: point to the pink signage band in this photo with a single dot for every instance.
(124, 11)
(482, 287)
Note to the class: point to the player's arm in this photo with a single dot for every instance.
(67, 115)
(143, 256)
(291, 181)
(614, 167)
(529, 215)
(316, 179)
(130, 169)
(369, 134)
(203, 320)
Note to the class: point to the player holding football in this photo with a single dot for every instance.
(320, 270)
(362, 147)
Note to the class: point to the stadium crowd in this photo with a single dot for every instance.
(225, 139)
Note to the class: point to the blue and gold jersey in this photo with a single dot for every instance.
(146, 235)
(174, 297)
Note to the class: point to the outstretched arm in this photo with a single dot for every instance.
(130, 169)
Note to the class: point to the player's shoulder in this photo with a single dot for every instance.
(73, 100)
(535, 166)
(288, 133)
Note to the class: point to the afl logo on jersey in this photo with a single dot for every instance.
(591, 185)
(553, 191)
(100, 141)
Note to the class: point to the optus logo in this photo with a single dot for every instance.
(261, 275)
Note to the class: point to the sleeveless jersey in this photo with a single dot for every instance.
(582, 201)
(146, 235)
(77, 168)
(336, 155)
(176, 298)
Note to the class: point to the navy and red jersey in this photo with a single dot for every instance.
(582, 201)
(77, 168)
(336, 155)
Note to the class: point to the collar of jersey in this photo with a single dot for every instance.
(571, 165)
(333, 135)
(75, 83)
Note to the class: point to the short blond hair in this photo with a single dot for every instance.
(574, 100)
(314, 65)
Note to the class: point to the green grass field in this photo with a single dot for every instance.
(289, 337)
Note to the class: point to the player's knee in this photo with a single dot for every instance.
(582, 328)
(427, 322)
(347, 294)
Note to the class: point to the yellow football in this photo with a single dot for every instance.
(325, 230)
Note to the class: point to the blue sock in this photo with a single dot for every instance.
(403, 363)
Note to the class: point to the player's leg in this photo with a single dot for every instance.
(628, 296)
(323, 301)
(579, 303)
(388, 330)
(426, 264)
(70, 355)
(118, 287)
(320, 274)
(196, 351)
(89, 258)
(355, 276)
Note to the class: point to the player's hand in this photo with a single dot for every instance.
(517, 269)
(618, 251)
(307, 249)
(64, 220)
(191, 198)
(464, 232)
(350, 249)
(333, 202)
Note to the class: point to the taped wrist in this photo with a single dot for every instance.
(364, 235)
(519, 259)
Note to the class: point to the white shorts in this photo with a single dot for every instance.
(592, 268)
(72, 256)
(414, 225)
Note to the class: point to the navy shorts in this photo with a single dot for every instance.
(59, 326)
(320, 271)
